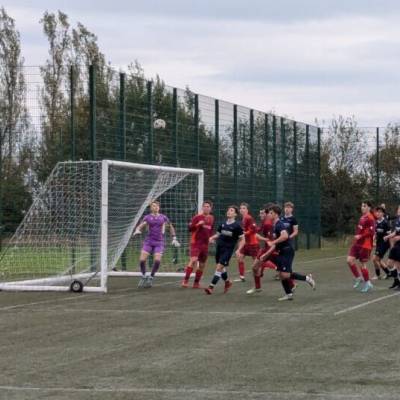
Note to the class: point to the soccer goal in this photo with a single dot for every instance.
(79, 228)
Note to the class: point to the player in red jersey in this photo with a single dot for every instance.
(265, 256)
(362, 246)
(251, 246)
(201, 228)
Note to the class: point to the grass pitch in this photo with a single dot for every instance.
(173, 343)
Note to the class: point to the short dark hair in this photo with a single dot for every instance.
(235, 208)
(209, 202)
(380, 208)
(275, 208)
(266, 206)
(245, 204)
(368, 203)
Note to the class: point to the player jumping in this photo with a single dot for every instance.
(251, 246)
(154, 241)
(362, 246)
(382, 229)
(284, 260)
(227, 236)
(201, 228)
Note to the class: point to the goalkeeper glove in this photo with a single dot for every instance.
(175, 242)
(137, 232)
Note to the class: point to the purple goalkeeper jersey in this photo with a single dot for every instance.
(156, 227)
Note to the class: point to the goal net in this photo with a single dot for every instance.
(79, 228)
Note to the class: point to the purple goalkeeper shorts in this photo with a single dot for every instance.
(151, 247)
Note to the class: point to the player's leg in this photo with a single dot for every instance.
(145, 252)
(365, 274)
(202, 260)
(222, 257)
(376, 260)
(190, 267)
(394, 261)
(256, 270)
(285, 277)
(351, 262)
(241, 265)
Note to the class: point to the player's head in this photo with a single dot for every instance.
(288, 207)
(244, 208)
(262, 214)
(265, 210)
(207, 207)
(379, 212)
(274, 211)
(366, 207)
(155, 206)
(232, 212)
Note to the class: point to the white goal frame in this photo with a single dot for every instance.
(40, 284)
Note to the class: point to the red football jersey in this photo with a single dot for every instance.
(366, 228)
(250, 230)
(266, 229)
(201, 233)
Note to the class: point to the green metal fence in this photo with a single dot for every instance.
(247, 155)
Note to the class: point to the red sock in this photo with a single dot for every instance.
(241, 268)
(198, 275)
(354, 270)
(365, 274)
(270, 265)
(188, 272)
(257, 282)
(291, 283)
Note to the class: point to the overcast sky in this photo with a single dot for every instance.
(305, 59)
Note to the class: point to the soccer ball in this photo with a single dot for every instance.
(159, 124)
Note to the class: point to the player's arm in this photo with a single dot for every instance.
(172, 232)
(267, 253)
(214, 237)
(242, 242)
(368, 231)
(195, 223)
(295, 231)
(261, 238)
(138, 230)
(283, 236)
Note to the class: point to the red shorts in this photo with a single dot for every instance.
(250, 250)
(199, 251)
(359, 253)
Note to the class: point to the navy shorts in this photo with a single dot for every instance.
(395, 253)
(284, 260)
(223, 255)
(381, 249)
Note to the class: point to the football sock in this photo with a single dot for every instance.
(291, 281)
(257, 282)
(365, 274)
(297, 276)
(386, 269)
(215, 278)
(224, 275)
(156, 265)
(143, 267)
(241, 268)
(198, 275)
(188, 272)
(286, 286)
(354, 270)
(377, 271)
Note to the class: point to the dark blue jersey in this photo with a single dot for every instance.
(289, 222)
(396, 229)
(382, 228)
(279, 227)
(229, 234)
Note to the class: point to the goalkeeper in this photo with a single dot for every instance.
(154, 241)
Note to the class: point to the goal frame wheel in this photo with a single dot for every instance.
(76, 286)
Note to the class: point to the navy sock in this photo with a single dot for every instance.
(224, 276)
(156, 265)
(298, 277)
(143, 267)
(215, 278)
(286, 286)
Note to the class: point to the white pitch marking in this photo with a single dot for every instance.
(243, 393)
(365, 304)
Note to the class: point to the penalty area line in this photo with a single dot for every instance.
(367, 303)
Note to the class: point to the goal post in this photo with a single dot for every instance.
(78, 230)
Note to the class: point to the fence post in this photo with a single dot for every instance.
(150, 132)
(319, 187)
(266, 149)
(122, 117)
(283, 161)
(72, 112)
(217, 183)
(235, 153)
(252, 154)
(377, 168)
(307, 188)
(197, 128)
(175, 125)
(296, 242)
(92, 112)
(275, 177)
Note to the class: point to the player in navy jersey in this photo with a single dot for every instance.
(290, 221)
(382, 229)
(227, 236)
(285, 258)
(394, 254)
